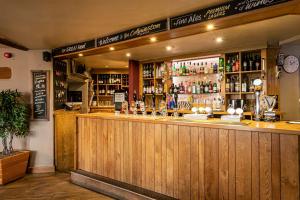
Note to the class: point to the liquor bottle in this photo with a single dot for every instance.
(233, 64)
(227, 85)
(215, 88)
(231, 85)
(189, 90)
(194, 88)
(210, 87)
(251, 63)
(257, 63)
(144, 97)
(201, 88)
(180, 70)
(244, 85)
(228, 66)
(215, 67)
(245, 63)
(152, 87)
(237, 64)
(237, 85)
(206, 88)
(198, 90)
(221, 64)
(206, 68)
(202, 68)
(134, 96)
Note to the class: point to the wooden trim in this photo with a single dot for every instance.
(41, 169)
(113, 188)
(288, 8)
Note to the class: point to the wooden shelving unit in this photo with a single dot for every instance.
(99, 86)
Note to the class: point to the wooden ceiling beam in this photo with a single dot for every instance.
(12, 44)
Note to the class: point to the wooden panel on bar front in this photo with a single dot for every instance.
(191, 162)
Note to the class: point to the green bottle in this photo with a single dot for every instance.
(228, 66)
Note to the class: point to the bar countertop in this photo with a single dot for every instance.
(275, 127)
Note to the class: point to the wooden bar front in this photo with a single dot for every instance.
(192, 160)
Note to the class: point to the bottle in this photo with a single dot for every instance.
(257, 63)
(228, 66)
(250, 63)
(189, 90)
(134, 96)
(201, 88)
(244, 85)
(206, 88)
(202, 68)
(221, 64)
(211, 69)
(215, 88)
(231, 85)
(206, 68)
(237, 85)
(245, 63)
(198, 90)
(210, 87)
(227, 85)
(237, 64)
(215, 67)
(194, 88)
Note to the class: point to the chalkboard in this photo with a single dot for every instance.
(40, 94)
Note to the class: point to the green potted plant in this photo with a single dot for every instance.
(14, 121)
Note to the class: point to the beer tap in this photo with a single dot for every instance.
(257, 87)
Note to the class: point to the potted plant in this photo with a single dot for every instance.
(14, 121)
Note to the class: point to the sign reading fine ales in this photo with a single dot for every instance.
(134, 33)
(222, 10)
(40, 107)
(74, 48)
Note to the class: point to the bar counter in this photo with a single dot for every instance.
(191, 160)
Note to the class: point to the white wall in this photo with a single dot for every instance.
(40, 141)
(290, 87)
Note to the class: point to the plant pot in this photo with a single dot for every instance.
(13, 166)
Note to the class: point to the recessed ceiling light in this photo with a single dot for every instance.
(111, 48)
(169, 48)
(219, 39)
(210, 27)
(80, 54)
(153, 39)
(106, 66)
(128, 54)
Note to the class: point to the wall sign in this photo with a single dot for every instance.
(74, 48)
(219, 11)
(5, 73)
(134, 33)
(40, 93)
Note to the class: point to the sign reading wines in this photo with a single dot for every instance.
(222, 10)
(74, 48)
(134, 33)
(40, 107)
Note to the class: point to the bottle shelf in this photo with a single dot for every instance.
(195, 75)
(154, 94)
(247, 93)
(232, 93)
(232, 72)
(253, 71)
(148, 78)
(200, 94)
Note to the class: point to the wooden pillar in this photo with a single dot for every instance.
(133, 78)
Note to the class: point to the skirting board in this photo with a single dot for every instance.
(113, 188)
(41, 169)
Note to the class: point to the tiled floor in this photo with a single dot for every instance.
(47, 187)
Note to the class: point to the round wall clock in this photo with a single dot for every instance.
(291, 64)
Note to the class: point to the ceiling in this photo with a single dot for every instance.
(254, 35)
(47, 24)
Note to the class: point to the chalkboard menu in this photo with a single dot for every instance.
(40, 90)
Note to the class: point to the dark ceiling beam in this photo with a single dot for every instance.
(12, 44)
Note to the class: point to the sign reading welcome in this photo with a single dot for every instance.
(219, 11)
(134, 33)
